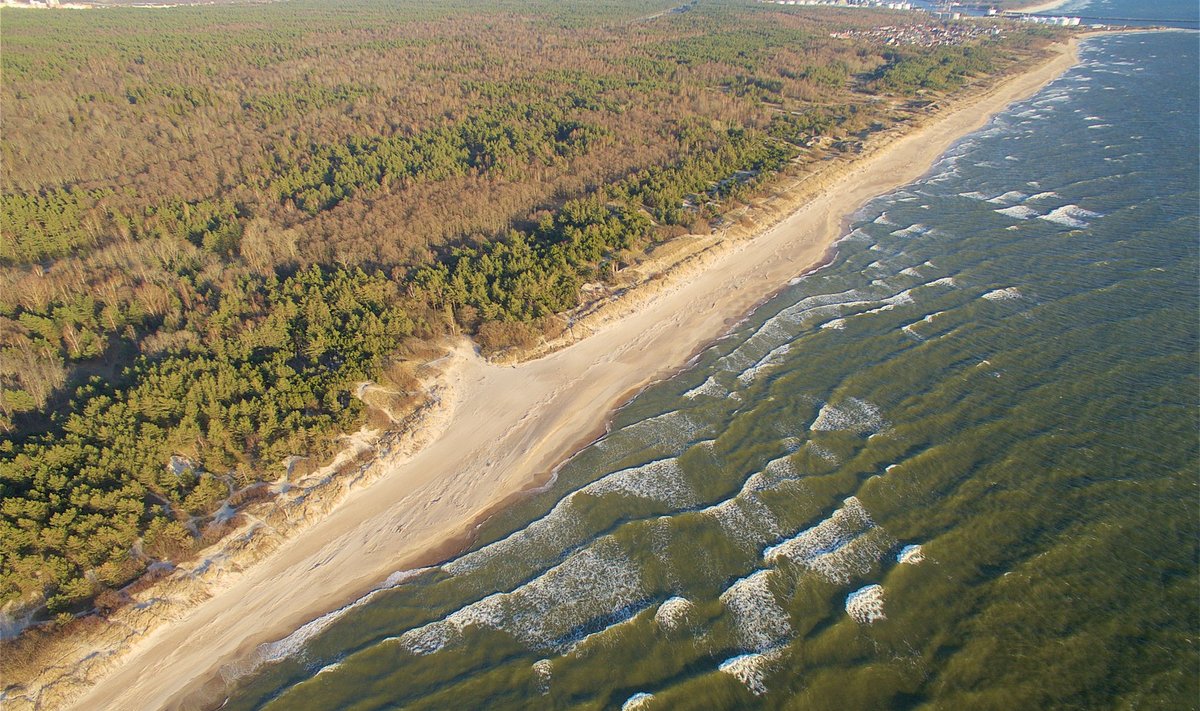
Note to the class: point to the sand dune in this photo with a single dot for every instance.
(511, 425)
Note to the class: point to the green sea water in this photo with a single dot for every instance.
(954, 469)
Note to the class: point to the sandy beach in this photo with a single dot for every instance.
(511, 425)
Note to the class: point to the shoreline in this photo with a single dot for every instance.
(514, 426)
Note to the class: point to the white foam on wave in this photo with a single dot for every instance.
(771, 359)
(1019, 212)
(846, 544)
(543, 670)
(670, 430)
(751, 669)
(911, 329)
(974, 195)
(544, 613)
(759, 619)
(910, 555)
(661, 480)
(865, 605)
(855, 235)
(602, 635)
(883, 219)
(745, 518)
(1045, 195)
(776, 330)
(638, 702)
(1008, 198)
(1006, 294)
(1055, 97)
(709, 387)
(673, 613)
(912, 230)
(851, 415)
(1100, 125)
(295, 642)
(837, 324)
(1070, 216)
(902, 299)
(560, 524)
(774, 473)
(822, 453)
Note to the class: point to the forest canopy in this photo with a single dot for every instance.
(217, 220)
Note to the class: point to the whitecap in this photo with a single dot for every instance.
(912, 230)
(756, 350)
(709, 387)
(660, 480)
(910, 555)
(638, 702)
(846, 544)
(561, 524)
(1006, 294)
(745, 518)
(865, 605)
(670, 430)
(852, 415)
(902, 299)
(547, 612)
(1008, 198)
(1019, 212)
(1043, 196)
(759, 619)
(822, 453)
(775, 472)
(1070, 216)
(772, 358)
(750, 669)
(295, 642)
(543, 670)
(673, 613)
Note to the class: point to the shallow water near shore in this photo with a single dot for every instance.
(953, 469)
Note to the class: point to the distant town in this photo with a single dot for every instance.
(930, 35)
(943, 11)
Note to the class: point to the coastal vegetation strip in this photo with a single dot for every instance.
(218, 221)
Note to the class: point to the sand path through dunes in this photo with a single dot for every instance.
(511, 426)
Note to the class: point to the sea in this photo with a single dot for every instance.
(956, 468)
